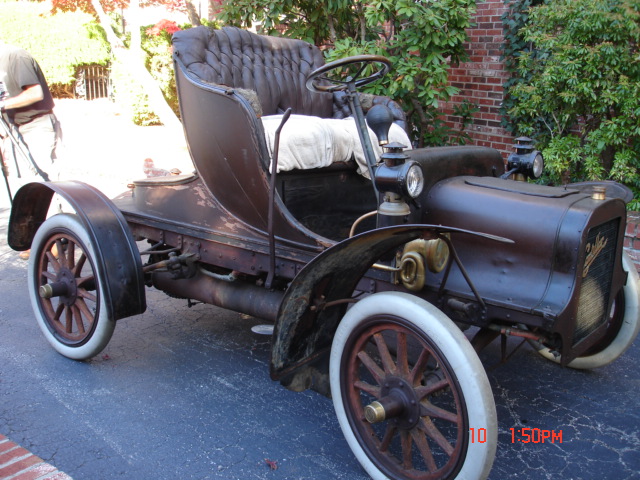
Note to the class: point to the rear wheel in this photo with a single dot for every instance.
(65, 289)
(410, 393)
(623, 326)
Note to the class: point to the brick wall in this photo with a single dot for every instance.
(480, 79)
(632, 237)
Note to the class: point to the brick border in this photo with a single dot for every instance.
(632, 237)
(17, 463)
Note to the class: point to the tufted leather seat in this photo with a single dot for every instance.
(274, 68)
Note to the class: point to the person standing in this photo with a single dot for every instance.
(30, 130)
(27, 111)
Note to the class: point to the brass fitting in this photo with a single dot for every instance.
(418, 256)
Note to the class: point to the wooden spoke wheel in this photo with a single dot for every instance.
(65, 290)
(410, 393)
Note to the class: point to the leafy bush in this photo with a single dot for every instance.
(60, 43)
(582, 98)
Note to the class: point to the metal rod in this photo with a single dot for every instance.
(272, 200)
(26, 154)
(363, 132)
(6, 178)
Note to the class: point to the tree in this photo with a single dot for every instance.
(582, 98)
(131, 58)
(421, 38)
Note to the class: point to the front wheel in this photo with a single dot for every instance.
(410, 393)
(66, 294)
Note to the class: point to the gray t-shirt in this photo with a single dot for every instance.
(18, 70)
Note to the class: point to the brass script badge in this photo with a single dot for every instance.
(593, 250)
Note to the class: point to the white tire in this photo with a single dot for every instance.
(66, 293)
(439, 418)
(624, 326)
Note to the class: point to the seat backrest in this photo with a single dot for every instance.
(275, 68)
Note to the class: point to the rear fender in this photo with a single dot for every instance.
(303, 332)
(121, 271)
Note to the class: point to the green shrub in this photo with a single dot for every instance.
(582, 98)
(422, 39)
(60, 43)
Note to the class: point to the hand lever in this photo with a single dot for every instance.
(379, 119)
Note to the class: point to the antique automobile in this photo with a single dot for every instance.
(383, 269)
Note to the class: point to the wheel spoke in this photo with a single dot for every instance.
(368, 388)
(53, 260)
(431, 410)
(82, 293)
(58, 312)
(49, 275)
(405, 439)
(83, 308)
(77, 270)
(77, 314)
(387, 361)
(61, 253)
(418, 369)
(68, 314)
(402, 355)
(360, 70)
(432, 431)
(423, 446)
(371, 365)
(60, 250)
(389, 433)
(427, 390)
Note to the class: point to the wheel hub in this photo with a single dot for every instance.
(398, 403)
(64, 287)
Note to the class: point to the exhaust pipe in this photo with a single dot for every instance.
(237, 296)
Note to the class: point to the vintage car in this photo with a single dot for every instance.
(383, 278)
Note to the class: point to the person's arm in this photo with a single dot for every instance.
(30, 95)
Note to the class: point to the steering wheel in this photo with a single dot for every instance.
(344, 77)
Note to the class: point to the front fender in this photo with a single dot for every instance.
(304, 332)
(116, 250)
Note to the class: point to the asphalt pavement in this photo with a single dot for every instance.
(185, 393)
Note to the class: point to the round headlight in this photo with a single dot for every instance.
(538, 165)
(414, 183)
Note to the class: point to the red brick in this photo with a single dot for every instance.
(18, 466)
(11, 455)
(6, 446)
(631, 230)
(37, 471)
